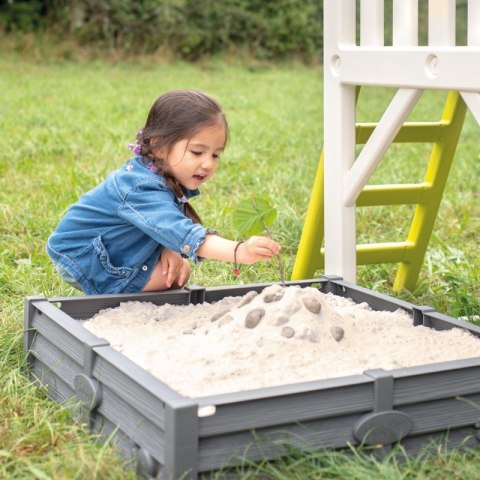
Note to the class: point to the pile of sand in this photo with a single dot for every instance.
(282, 335)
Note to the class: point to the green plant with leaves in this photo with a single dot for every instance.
(255, 216)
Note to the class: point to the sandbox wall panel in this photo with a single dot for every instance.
(454, 412)
(82, 308)
(270, 443)
(109, 431)
(59, 335)
(321, 401)
(55, 388)
(438, 321)
(138, 426)
(436, 381)
(55, 360)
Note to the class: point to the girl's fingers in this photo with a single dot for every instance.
(267, 252)
(184, 274)
(172, 273)
(170, 278)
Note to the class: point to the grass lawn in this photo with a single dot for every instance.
(65, 125)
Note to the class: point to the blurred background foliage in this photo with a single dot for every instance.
(188, 29)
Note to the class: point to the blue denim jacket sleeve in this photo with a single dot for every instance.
(154, 209)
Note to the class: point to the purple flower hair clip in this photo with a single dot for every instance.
(183, 199)
(152, 167)
(136, 148)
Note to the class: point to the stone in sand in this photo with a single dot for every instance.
(337, 332)
(253, 317)
(288, 332)
(281, 319)
(218, 315)
(312, 304)
(313, 336)
(274, 294)
(247, 298)
(224, 320)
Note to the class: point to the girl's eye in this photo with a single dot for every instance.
(196, 153)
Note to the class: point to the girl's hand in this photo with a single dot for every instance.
(257, 248)
(174, 267)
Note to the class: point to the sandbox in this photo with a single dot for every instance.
(167, 434)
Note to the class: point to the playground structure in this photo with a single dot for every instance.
(341, 181)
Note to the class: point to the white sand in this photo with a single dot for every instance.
(197, 354)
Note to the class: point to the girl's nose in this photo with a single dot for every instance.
(208, 162)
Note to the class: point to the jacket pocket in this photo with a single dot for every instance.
(104, 258)
(99, 274)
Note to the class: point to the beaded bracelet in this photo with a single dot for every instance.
(236, 270)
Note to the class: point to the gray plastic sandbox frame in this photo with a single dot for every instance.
(166, 435)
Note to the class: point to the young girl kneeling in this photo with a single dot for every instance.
(136, 231)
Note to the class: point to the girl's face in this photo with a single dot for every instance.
(194, 161)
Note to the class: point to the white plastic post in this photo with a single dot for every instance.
(473, 39)
(372, 22)
(473, 22)
(405, 22)
(441, 22)
(339, 140)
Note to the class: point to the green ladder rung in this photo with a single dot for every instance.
(411, 132)
(400, 194)
(387, 252)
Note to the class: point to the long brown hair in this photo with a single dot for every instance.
(178, 115)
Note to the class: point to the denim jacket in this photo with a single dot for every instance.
(111, 239)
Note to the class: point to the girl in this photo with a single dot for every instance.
(136, 230)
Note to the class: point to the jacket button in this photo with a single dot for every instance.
(144, 268)
(186, 248)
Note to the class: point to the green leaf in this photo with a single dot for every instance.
(251, 216)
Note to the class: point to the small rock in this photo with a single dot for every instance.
(253, 317)
(291, 307)
(274, 295)
(188, 332)
(337, 332)
(281, 319)
(224, 320)
(312, 304)
(288, 332)
(247, 298)
(218, 315)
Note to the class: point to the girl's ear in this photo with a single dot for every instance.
(158, 152)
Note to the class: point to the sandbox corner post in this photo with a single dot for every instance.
(197, 294)
(331, 285)
(28, 331)
(182, 432)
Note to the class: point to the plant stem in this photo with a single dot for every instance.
(279, 259)
(269, 233)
